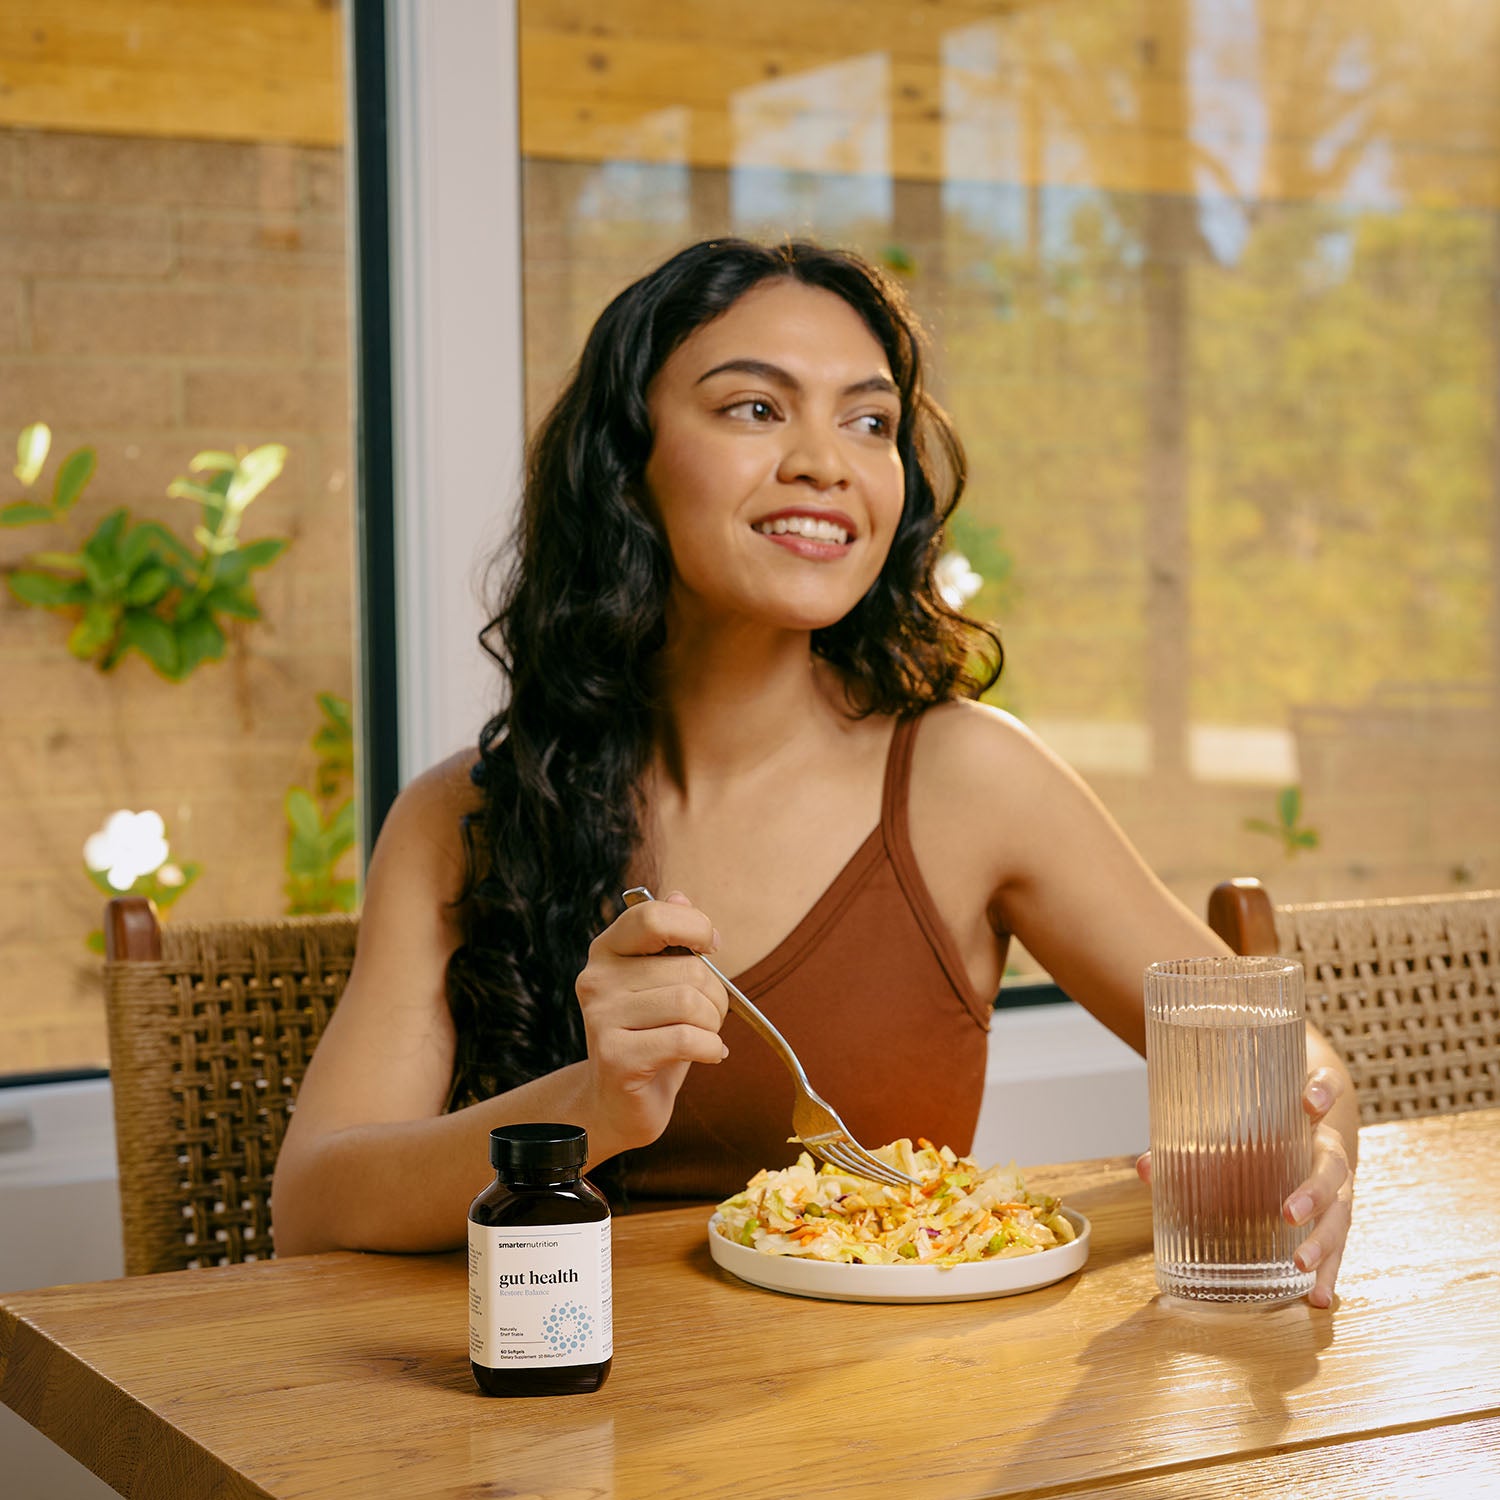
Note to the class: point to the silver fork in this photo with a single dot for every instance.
(814, 1120)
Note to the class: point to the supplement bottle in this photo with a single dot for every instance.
(539, 1268)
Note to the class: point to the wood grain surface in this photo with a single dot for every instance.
(276, 68)
(346, 1375)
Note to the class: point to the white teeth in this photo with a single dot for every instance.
(808, 526)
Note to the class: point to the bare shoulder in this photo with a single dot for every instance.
(446, 788)
(987, 796)
(969, 748)
(424, 827)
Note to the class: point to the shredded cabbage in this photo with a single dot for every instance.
(955, 1215)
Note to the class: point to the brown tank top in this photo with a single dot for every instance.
(871, 992)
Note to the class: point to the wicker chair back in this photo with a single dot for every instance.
(210, 1031)
(1407, 989)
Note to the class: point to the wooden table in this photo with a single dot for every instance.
(347, 1375)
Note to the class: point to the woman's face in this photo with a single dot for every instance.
(773, 464)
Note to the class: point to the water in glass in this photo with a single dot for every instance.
(1226, 1053)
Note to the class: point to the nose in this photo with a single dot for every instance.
(812, 456)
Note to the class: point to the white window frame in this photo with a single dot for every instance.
(459, 397)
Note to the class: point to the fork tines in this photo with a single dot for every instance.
(859, 1163)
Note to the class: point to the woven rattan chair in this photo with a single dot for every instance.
(210, 1031)
(1407, 990)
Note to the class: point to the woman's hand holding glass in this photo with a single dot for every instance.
(650, 1008)
(1326, 1199)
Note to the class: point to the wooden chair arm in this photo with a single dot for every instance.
(132, 930)
(1240, 912)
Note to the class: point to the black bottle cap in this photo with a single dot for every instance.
(538, 1148)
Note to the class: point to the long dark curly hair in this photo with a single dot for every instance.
(580, 623)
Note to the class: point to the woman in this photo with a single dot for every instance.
(731, 679)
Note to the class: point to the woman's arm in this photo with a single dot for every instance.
(370, 1160)
(1064, 879)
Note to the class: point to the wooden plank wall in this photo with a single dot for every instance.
(1107, 93)
(1261, 101)
(226, 70)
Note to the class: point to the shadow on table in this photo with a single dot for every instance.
(1176, 1383)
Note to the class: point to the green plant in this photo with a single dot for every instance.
(899, 259)
(320, 829)
(137, 585)
(1288, 827)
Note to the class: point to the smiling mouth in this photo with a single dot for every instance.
(804, 526)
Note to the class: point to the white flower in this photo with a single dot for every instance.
(128, 846)
(956, 581)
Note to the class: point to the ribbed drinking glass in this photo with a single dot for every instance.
(1226, 1060)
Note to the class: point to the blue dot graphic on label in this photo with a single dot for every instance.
(566, 1328)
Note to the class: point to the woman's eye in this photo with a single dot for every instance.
(753, 411)
(876, 424)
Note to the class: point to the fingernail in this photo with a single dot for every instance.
(1320, 1297)
(1319, 1097)
(724, 1053)
(1308, 1255)
(715, 947)
(1299, 1208)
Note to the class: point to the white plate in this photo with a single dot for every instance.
(835, 1282)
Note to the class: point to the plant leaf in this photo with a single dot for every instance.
(95, 631)
(48, 590)
(171, 547)
(255, 471)
(341, 826)
(136, 548)
(338, 710)
(32, 448)
(76, 471)
(1289, 805)
(168, 895)
(1259, 825)
(101, 560)
(105, 542)
(69, 562)
(264, 552)
(190, 489)
(302, 814)
(304, 858)
(198, 640)
(333, 744)
(24, 513)
(235, 602)
(230, 569)
(153, 638)
(214, 460)
(148, 585)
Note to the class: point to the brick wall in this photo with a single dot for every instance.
(157, 298)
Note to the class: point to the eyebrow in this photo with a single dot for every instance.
(881, 384)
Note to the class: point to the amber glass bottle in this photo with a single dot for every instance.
(539, 1268)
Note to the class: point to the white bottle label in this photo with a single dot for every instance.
(540, 1297)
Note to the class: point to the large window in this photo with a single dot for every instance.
(173, 281)
(1213, 291)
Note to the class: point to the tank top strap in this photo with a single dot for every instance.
(895, 829)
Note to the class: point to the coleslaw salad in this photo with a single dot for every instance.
(957, 1213)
